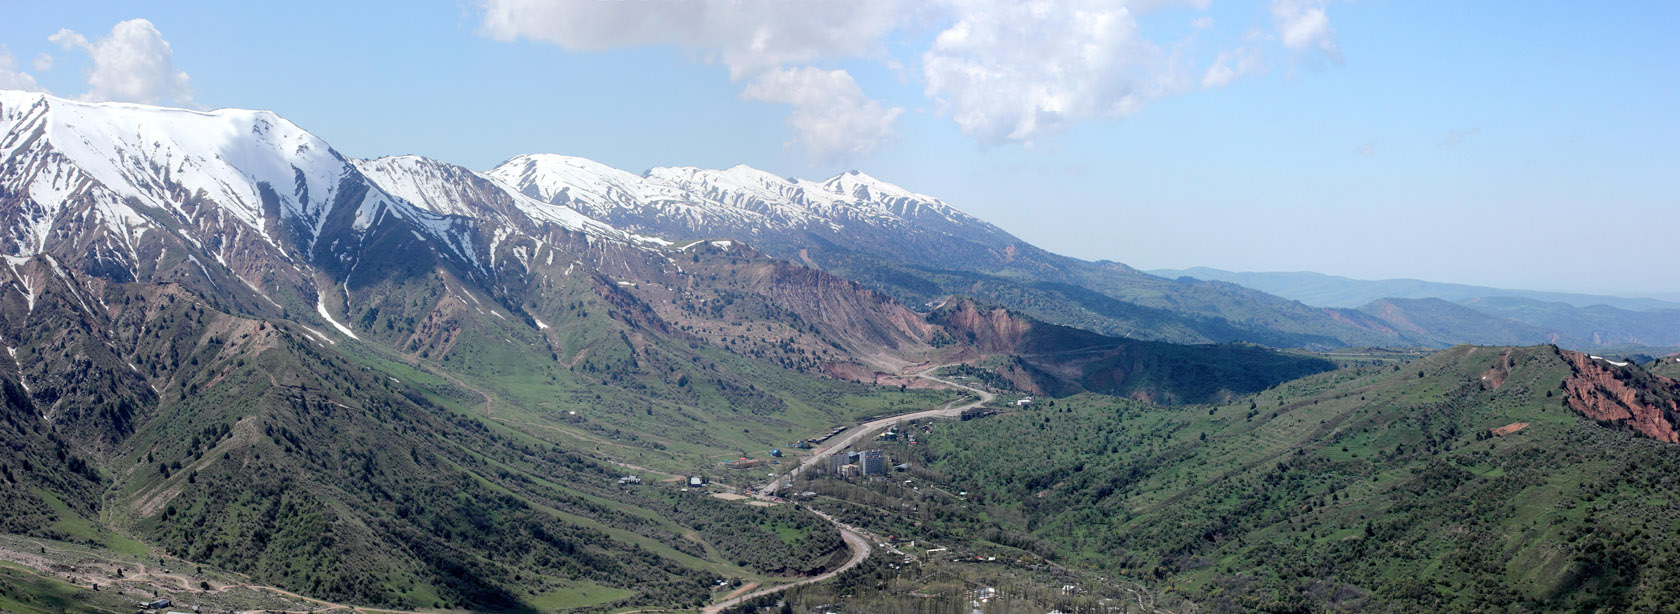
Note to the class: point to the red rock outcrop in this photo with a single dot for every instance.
(1624, 395)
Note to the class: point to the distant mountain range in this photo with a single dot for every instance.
(1457, 313)
(1321, 290)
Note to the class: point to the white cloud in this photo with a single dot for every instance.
(1365, 150)
(42, 62)
(1003, 70)
(1303, 26)
(132, 64)
(756, 39)
(746, 35)
(12, 79)
(1232, 64)
(832, 118)
(1014, 71)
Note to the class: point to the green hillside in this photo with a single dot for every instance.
(477, 470)
(1374, 489)
(1667, 367)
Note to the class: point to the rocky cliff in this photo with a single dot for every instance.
(1623, 395)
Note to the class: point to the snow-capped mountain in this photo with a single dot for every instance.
(247, 205)
(447, 189)
(851, 210)
(138, 192)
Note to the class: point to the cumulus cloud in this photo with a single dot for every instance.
(1303, 26)
(1003, 70)
(131, 64)
(1232, 64)
(42, 62)
(755, 39)
(13, 79)
(746, 35)
(1014, 71)
(832, 118)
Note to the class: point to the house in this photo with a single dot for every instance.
(850, 470)
(629, 479)
(696, 481)
(1024, 402)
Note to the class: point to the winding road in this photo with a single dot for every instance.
(855, 539)
(852, 435)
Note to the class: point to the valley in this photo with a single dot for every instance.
(248, 373)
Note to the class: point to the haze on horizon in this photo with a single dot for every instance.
(1525, 147)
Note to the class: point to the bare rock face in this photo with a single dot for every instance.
(989, 329)
(1624, 395)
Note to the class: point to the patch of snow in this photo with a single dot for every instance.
(317, 333)
(321, 307)
(540, 325)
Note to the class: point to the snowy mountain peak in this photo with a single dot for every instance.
(861, 186)
(448, 189)
(174, 160)
(740, 201)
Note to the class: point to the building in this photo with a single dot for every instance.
(696, 481)
(835, 461)
(975, 412)
(874, 462)
(850, 470)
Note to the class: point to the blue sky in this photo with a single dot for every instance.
(1528, 145)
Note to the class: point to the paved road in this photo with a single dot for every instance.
(851, 436)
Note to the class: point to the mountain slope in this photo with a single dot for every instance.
(1057, 360)
(1442, 322)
